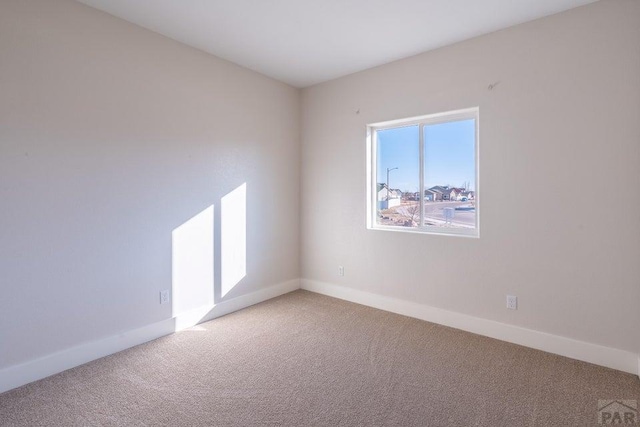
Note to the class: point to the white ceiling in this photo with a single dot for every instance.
(304, 42)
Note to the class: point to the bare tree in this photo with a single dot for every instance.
(413, 212)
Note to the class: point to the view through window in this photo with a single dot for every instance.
(424, 174)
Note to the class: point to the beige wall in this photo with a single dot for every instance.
(562, 125)
(112, 136)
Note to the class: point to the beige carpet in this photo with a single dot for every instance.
(308, 360)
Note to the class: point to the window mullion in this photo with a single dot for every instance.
(421, 150)
(374, 182)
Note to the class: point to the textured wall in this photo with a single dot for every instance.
(112, 136)
(559, 173)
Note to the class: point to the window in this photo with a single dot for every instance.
(423, 174)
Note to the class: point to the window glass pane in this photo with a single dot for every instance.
(398, 176)
(450, 174)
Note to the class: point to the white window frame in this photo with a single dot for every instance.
(422, 121)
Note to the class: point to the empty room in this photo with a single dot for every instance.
(319, 212)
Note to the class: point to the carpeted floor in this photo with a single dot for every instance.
(308, 360)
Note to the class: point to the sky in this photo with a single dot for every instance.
(449, 155)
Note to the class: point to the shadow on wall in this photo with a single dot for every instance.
(193, 283)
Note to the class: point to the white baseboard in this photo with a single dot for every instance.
(24, 373)
(204, 314)
(33, 370)
(593, 353)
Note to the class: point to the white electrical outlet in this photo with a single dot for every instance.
(341, 270)
(164, 296)
(512, 302)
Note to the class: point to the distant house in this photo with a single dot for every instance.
(453, 193)
(445, 192)
(388, 199)
(432, 195)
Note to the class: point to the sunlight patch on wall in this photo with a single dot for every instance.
(233, 233)
(192, 264)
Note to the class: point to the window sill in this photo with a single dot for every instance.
(439, 231)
